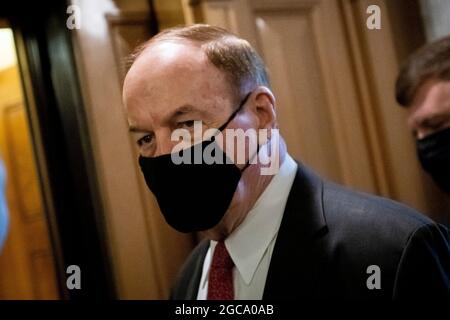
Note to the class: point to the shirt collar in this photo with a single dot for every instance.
(248, 243)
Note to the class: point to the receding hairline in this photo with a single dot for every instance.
(230, 54)
(178, 34)
(180, 40)
(203, 62)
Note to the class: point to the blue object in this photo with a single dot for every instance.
(3, 207)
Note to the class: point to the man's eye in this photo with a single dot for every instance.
(440, 125)
(145, 140)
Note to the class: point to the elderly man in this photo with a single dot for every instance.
(284, 235)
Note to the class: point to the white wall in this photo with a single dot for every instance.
(436, 16)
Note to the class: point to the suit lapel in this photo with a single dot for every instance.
(188, 285)
(294, 263)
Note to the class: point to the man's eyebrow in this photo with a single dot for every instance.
(435, 117)
(132, 128)
(181, 110)
(186, 108)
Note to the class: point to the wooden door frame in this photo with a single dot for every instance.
(61, 143)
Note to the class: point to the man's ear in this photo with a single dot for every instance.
(264, 107)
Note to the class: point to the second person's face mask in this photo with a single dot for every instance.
(193, 197)
(434, 155)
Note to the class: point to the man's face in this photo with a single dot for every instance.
(170, 86)
(430, 109)
(429, 120)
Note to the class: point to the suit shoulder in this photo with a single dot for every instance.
(369, 215)
(365, 231)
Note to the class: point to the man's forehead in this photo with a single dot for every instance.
(431, 92)
(431, 99)
(170, 65)
(168, 55)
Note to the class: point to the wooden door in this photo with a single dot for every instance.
(27, 269)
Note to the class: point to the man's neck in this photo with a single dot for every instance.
(250, 188)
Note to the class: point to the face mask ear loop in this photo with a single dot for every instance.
(222, 127)
(231, 117)
(248, 162)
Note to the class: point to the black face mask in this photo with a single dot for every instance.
(193, 197)
(434, 155)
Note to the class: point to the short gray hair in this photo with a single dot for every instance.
(242, 65)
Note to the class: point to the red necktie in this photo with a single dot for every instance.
(220, 283)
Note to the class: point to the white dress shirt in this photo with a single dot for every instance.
(251, 244)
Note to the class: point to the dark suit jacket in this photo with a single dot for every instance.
(328, 237)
